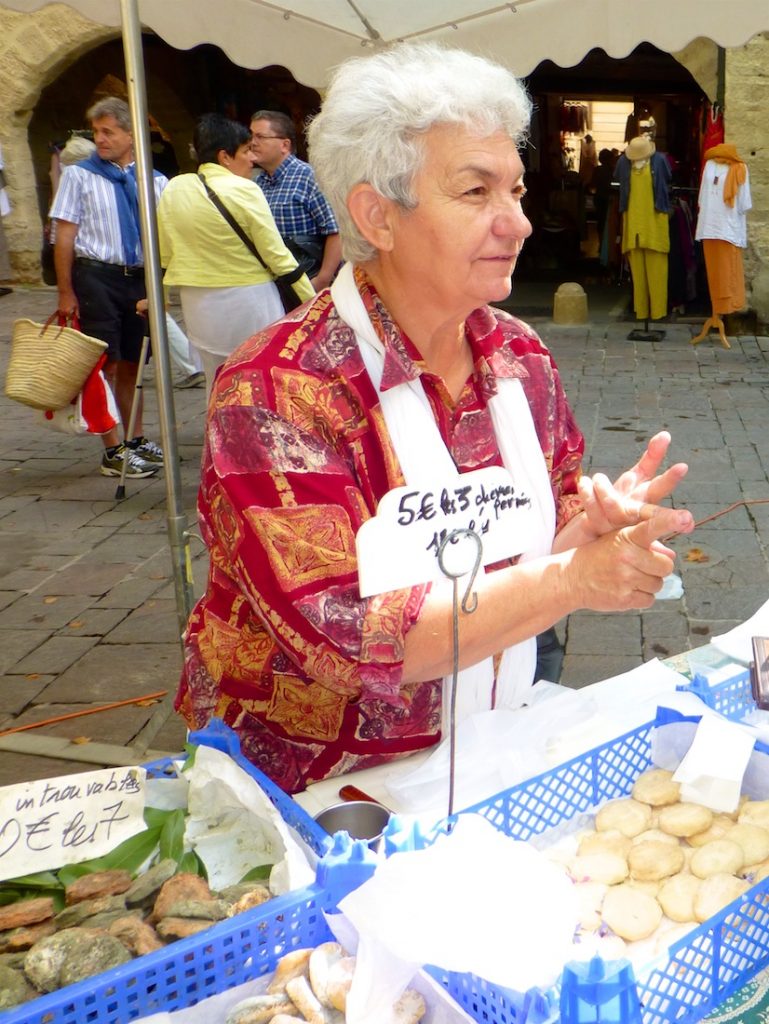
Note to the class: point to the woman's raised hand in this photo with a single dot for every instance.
(635, 495)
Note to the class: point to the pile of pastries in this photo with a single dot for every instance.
(312, 985)
(652, 857)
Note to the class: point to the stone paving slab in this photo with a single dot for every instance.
(16, 644)
(37, 611)
(155, 621)
(582, 669)
(89, 578)
(18, 693)
(107, 672)
(94, 622)
(54, 516)
(56, 654)
(619, 635)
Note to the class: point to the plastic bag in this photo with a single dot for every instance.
(94, 411)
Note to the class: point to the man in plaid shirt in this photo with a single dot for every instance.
(301, 211)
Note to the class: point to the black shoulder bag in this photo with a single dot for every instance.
(288, 296)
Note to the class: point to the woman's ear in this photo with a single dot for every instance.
(372, 215)
(223, 158)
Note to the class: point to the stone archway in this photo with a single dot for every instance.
(34, 48)
(50, 64)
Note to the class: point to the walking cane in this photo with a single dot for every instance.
(120, 492)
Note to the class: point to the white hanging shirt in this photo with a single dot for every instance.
(716, 219)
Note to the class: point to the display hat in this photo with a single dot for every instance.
(640, 148)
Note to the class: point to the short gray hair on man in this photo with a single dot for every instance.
(112, 106)
(377, 108)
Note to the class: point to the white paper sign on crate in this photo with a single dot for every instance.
(51, 822)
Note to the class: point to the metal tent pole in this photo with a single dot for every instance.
(178, 535)
(177, 524)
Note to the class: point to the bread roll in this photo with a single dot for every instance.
(715, 893)
(685, 819)
(656, 787)
(721, 857)
(626, 816)
(677, 896)
(753, 839)
(654, 860)
(608, 868)
(630, 913)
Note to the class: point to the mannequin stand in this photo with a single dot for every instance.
(713, 323)
(645, 334)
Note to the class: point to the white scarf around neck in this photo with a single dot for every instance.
(408, 415)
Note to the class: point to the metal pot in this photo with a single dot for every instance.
(361, 819)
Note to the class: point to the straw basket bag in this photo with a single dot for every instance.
(49, 364)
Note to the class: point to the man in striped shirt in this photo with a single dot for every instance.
(100, 270)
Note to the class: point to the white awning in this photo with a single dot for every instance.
(309, 37)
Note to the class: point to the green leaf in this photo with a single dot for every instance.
(172, 836)
(132, 852)
(27, 887)
(190, 750)
(258, 874)
(192, 863)
(129, 855)
(71, 872)
(156, 818)
(40, 880)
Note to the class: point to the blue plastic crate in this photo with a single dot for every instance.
(706, 966)
(227, 954)
(190, 970)
(732, 698)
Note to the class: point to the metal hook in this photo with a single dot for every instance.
(468, 607)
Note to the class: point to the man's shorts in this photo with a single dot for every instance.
(107, 300)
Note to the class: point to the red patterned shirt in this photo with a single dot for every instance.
(297, 456)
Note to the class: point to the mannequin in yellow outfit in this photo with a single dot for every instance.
(645, 225)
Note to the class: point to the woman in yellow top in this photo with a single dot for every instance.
(226, 293)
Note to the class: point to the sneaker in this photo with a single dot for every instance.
(195, 380)
(136, 467)
(147, 450)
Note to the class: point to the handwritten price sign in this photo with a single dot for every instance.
(52, 822)
(399, 546)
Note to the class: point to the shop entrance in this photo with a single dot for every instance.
(593, 108)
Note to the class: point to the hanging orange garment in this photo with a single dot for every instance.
(725, 153)
(726, 275)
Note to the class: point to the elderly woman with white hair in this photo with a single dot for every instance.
(401, 365)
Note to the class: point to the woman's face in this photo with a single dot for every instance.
(242, 163)
(460, 245)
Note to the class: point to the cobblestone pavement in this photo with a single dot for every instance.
(87, 601)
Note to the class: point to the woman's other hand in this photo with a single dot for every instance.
(635, 495)
(644, 482)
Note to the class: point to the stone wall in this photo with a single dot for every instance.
(745, 113)
(34, 49)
